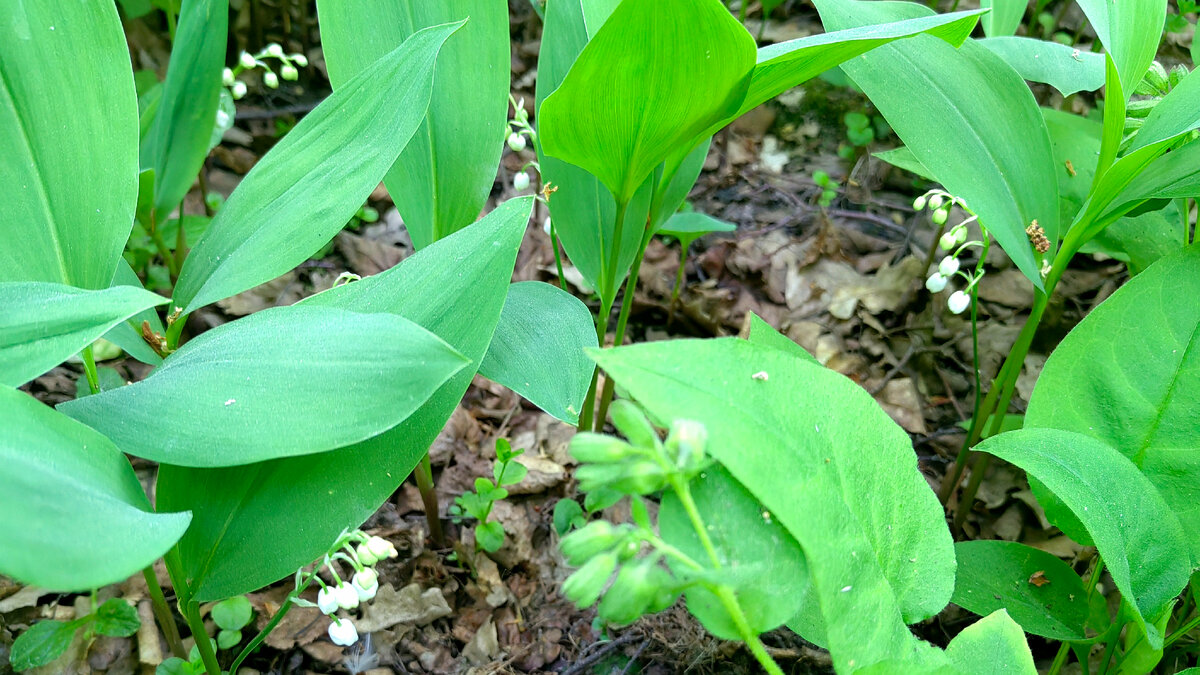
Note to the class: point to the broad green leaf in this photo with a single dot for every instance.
(833, 469)
(1039, 591)
(1141, 240)
(761, 332)
(283, 382)
(305, 189)
(691, 225)
(583, 210)
(994, 645)
(69, 133)
(454, 288)
(1172, 175)
(670, 69)
(41, 643)
(232, 613)
(966, 116)
(43, 324)
(1130, 31)
(443, 176)
(68, 495)
(759, 559)
(1075, 142)
(1005, 17)
(903, 158)
(1140, 386)
(116, 618)
(183, 126)
(128, 334)
(537, 349)
(1141, 540)
(1067, 69)
(676, 191)
(1177, 113)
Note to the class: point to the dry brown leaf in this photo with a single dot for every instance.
(409, 605)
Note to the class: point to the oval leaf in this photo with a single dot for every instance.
(69, 129)
(43, 324)
(1066, 69)
(537, 349)
(305, 189)
(68, 495)
(455, 288)
(1141, 540)
(283, 382)
(443, 176)
(994, 645)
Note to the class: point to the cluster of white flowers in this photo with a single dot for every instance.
(520, 132)
(363, 584)
(288, 68)
(953, 241)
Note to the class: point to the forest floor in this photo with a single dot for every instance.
(845, 281)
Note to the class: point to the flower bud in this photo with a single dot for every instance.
(632, 593)
(546, 225)
(1157, 77)
(366, 584)
(641, 478)
(936, 283)
(516, 141)
(246, 60)
(960, 235)
(919, 203)
(686, 443)
(1178, 72)
(958, 302)
(343, 633)
(238, 89)
(227, 77)
(590, 448)
(381, 548)
(585, 585)
(939, 216)
(521, 181)
(346, 596)
(275, 50)
(301, 60)
(365, 556)
(592, 539)
(289, 72)
(936, 201)
(326, 600)
(223, 119)
(271, 80)
(948, 241)
(629, 419)
(948, 266)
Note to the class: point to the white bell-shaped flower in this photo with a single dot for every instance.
(343, 633)
(521, 181)
(327, 600)
(366, 584)
(347, 597)
(958, 302)
(516, 141)
(381, 548)
(936, 283)
(948, 266)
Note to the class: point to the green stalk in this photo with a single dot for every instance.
(174, 331)
(203, 642)
(262, 634)
(89, 369)
(608, 293)
(1060, 659)
(589, 400)
(424, 475)
(623, 320)
(162, 612)
(678, 285)
(562, 281)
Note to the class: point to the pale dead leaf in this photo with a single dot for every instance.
(484, 646)
(409, 605)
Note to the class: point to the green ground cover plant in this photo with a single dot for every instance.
(785, 496)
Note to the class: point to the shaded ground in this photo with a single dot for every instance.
(844, 281)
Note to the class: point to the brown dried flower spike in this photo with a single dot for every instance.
(1037, 237)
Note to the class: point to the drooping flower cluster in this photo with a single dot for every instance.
(955, 242)
(288, 68)
(520, 133)
(361, 552)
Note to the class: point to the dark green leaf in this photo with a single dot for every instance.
(43, 324)
(69, 129)
(282, 382)
(567, 514)
(43, 642)
(68, 495)
(305, 189)
(117, 618)
(444, 175)
(537, 350)
(454, 288)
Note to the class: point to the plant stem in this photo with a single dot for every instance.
(162, 612)
(424, 475)
(589, 401)
(678, 284)
(262, 634)
(1181, 631)
(684, 492)
(203, 642)
(175, 330)
(623, 318)
(89, 369)
(729, 601)
(562, 281)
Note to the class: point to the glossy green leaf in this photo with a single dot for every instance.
(1075, 142)
(994, 575)
(903, 158)
(1177, 113)
(1141, 241)
(1142, 542)
(454, 288)
(833, 469)
(41, 644)
(283, 382)
(68, 495)
(1065, 68)
(759, 559)
(1130, 31)
(305, 189)
(43, 324)
(69, 133)
(994, 645)
(1174, 174)
(1140, 386)
(537, 349)
(183, 125)
(670, 69)
(968, 117)
(691, 225)
(761, 332)
(128, 334)
(444, 175)
(116, 618)
(675, 193)
(232, 613)
(1005, 17)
